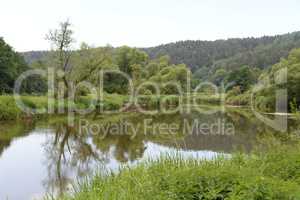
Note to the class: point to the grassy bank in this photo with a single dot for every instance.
(270, 175)
(10, 111)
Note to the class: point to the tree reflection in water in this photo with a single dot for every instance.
(70, 154)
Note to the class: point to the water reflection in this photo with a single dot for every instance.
(12, 130)
(56, 153)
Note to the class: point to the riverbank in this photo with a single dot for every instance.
(273, 174)
(111, 102)
(10, 111)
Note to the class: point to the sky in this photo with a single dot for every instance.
(141, 23)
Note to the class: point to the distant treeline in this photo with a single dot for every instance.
(259, 52)
(205, 58)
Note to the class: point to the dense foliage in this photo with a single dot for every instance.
(205, 58)
(283, 75)
(11, 66)
(84, 64)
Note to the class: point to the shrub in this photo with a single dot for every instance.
(8, 108)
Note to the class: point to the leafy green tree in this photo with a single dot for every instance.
(126, 57)
(173, 73)
(11, 66)
(292, 82)
(164, 61)
(219, 76)
(37, 84)
(243, 77)
(152, 68)
(88, 60)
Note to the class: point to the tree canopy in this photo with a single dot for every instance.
(11, 66)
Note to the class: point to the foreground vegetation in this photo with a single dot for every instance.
(272, 174)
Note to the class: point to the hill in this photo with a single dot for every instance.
(204, 58)
(199, 53)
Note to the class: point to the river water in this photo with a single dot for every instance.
(48, 156)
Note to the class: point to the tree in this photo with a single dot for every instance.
(172, 74)
(243, 77)
(11, 66)
(61, 40)
(89, 60)
(292, 83)
(219, 76)
(126, 57)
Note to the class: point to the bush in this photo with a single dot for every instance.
(8, 108)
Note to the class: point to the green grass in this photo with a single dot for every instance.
(10, 111)
(273, 175)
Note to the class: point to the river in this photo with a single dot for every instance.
(47, 156)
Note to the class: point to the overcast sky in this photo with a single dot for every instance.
(144, 23)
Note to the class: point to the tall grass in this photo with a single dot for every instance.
(273, 175)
